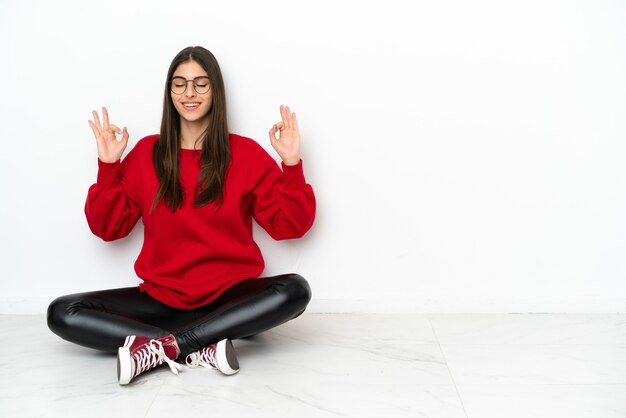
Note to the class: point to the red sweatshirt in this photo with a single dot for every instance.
(192, 255)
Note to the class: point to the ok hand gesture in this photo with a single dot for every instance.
(287, 145)
(109, 148)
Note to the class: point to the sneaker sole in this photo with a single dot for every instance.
(226, 358)
(124, 367)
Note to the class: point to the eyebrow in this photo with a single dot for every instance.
(180, 76)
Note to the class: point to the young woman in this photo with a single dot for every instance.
(197, 187)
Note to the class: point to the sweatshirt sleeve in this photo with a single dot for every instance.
(112, 208)
(283, 203)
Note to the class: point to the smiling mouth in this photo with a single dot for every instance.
(191, 106)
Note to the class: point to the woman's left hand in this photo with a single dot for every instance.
(287, 145)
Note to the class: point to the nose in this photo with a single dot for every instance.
(190, 91)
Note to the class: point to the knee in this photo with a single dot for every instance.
(297, 290)
(59, 311)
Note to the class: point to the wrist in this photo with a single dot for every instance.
(291, 161)
(108, 160)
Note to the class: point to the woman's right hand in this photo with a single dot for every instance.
(110, 149)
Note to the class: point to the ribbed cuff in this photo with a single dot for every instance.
(107, 173)
(294, 176)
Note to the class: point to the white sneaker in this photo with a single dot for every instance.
(220, 356)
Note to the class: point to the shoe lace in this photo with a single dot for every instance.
(153, 355)
(204, 358)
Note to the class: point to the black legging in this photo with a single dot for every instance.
(103, 319)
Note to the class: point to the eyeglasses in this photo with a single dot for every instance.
(201, 85)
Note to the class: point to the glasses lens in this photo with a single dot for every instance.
(201, 84)
(178, 85)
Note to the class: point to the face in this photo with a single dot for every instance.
(192, 106)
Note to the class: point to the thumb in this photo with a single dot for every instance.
(125, 135)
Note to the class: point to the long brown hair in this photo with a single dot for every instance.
(215, 154)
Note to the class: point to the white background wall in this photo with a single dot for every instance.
(467, 156)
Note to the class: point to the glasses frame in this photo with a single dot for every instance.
(194, 81)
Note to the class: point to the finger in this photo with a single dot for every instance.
(96, 119)
(125, 135)
(115, 129)
(93, 128)
(288, 113)
(294, 121)
(272, 133)
(105, 116)
(283, 114)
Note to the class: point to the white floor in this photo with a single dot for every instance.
(343, 365)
